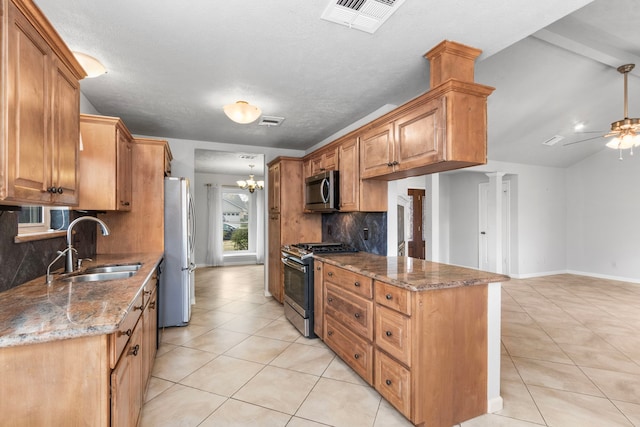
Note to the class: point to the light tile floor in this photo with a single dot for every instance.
(571, 358)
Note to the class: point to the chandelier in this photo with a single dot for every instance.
(242, 112)
(251, 184)
(626, 130)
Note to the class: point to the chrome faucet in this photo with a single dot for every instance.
(70, 249)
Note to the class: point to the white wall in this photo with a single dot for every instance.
(603, 208)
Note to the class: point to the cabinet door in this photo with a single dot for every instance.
(27, 101)
(65, 133)
(349, 175)
(318, 299)
(420, 136)
(274, 188)
(276, 286)
(126, 383)
(124, 171)
(150, 324)
(376, 151)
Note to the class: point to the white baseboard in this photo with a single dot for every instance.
(604, 276)
(495, 404)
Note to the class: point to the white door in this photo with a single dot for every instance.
(483, 238)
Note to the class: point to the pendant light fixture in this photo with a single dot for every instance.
(242, 112)
(625, 131)
(91, 65)
(251, 184)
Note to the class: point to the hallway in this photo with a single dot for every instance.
(571, 357)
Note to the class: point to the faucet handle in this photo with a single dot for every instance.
(79, 262)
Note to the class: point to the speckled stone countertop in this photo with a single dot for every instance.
(36, 312)
(411, 273)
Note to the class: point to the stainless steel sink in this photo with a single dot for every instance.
(113, 268)
(99, 277)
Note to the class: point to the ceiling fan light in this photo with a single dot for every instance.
(242, 112)
(613, 143)
(91, 65)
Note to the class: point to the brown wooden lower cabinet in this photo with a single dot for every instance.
(424, 352)
(96, 381)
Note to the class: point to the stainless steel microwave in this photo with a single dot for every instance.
(322, 192)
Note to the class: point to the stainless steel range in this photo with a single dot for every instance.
(298, 281)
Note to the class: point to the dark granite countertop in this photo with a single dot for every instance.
(411, 273)
(36, 312)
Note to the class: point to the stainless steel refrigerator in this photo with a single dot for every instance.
(177, 288)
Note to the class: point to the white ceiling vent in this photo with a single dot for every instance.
(271, 121)
(553, 140)
(364, 15)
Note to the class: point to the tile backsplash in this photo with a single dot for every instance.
(350, 228)
(25, 261)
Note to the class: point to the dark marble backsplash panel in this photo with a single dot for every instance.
(349, 228)
(22, 262)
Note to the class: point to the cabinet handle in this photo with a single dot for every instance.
(140, 307)
(357, 315)
(388, 382)
(51, 190)
(330, 273)
(388, 333)
(389, 164)
(395, 163)
(127, 332)
(388, 296)
(318, 268)
(60, 190)
(148, 292)
(123, 203)
(357, 284)
(152, 305)
(356, 356)
(135, 349)
(330, 299)
(329, 333)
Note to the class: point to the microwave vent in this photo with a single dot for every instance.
(364, 15)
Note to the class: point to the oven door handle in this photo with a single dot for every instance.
(294, 265)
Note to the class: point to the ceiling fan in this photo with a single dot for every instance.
(626, 132)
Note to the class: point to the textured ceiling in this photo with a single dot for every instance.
(173, 65)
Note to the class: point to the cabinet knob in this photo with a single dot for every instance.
(357, 315)
(357, 284)
(395, 163)
(127, 332)
(389, 164)
(51, 190)
(388, 382)
(330, 273)
(123, 203)
(388, 333)
(152, 305)
(148, 292)
(60, 190)
(135, 349)
(318, 268)
(140, 307)
(330, 299)
(356, 356)
(329, 333)
(388, 296)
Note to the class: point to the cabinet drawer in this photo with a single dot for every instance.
(354, 312)
(393, 332)
(118, 340)
(393, 297)
(355, 351)
(349, 280)
(393, 382)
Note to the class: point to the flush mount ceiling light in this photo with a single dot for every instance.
(251, 184)
(625, 131)
(91, 65)
(242, 112)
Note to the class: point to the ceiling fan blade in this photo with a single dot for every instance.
(582, 140)
(589, 131)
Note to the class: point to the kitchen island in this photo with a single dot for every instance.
(79, 353)
(415, 330)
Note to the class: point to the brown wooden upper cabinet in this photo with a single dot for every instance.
(443, 129)
(320, 161)
(41, 103)
(357, 195)
(105, 164)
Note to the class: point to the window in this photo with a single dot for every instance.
(236, 206)
(42, 219)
